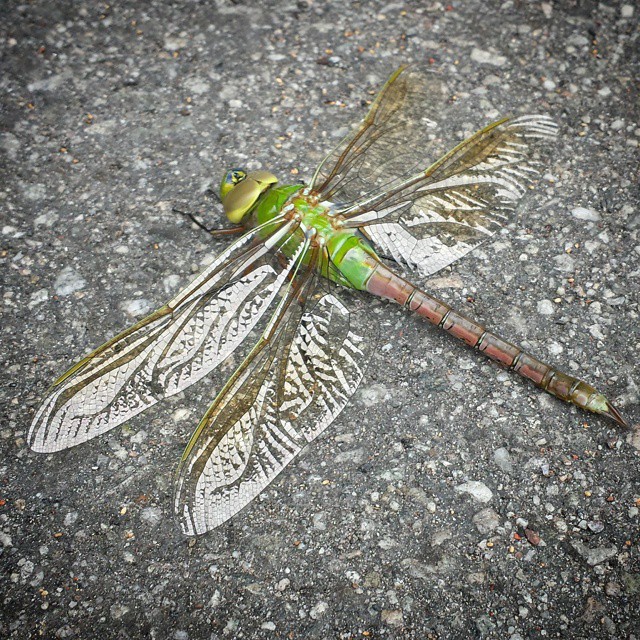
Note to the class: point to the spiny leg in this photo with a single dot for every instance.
(214, 232)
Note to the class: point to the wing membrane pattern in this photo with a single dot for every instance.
(169, 350)
(428, 221)
(291, 387)
(402, 119)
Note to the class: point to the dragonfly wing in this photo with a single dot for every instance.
(282, 397)
(402, 118)
(438, 215)
(169, 350)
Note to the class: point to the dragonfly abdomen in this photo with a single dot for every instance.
(387, 284)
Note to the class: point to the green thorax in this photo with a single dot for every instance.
(350, 260)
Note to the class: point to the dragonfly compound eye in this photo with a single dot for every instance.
(230, 179)
(240, 191)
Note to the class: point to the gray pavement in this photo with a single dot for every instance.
(450, 499)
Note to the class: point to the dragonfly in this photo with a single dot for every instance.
(283, 300)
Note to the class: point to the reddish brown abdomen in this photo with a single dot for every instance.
(387, 284)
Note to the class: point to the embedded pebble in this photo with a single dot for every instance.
(586, 214)
(373, 394)
(50, 83)
(578, 40)
(118, 611)
(47, 219)
(318, 610)
(596, 527)
(26, 569)
(565, 263)
(353, 457)
(392, 617)
(319, 521)
(545, 307)
(555, 348)
(502, 459)
(387, 543)
(38, 297)
(486, 57)
(151, 515)
(486, 521)
(69, 281)
(283, 584)
(180, 415)
(440, 537)
(595, 308)
(596, 555)
(171, 283)
(10, 144)
(633, 438)
(372, 580)
(477, 490)
(174, 43)
(137, 307)
(197, 86)
(254, 587)
(139, 437)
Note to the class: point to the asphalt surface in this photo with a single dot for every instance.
(450, 499)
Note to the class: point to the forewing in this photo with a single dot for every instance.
(283, 397)
(437, 216)
(402, 119)
(169, 350)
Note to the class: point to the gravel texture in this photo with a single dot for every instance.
(450, 499)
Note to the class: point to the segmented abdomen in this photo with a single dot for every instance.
(387, 284)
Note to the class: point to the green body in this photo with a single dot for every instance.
(350, 259)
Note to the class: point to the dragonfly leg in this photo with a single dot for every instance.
(387, 284)
(214, 232)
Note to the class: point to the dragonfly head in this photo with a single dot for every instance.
(240, 190)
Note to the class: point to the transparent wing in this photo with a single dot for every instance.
(289, 389)
(402, 120)
(172, 348)
(431, 219)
